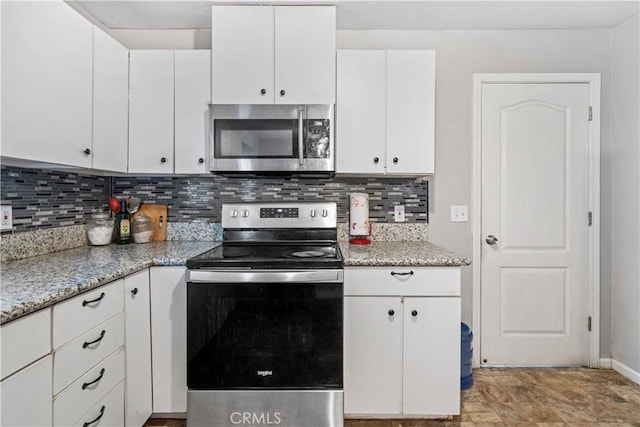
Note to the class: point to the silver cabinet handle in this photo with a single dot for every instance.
(301, 137)
(491, 239)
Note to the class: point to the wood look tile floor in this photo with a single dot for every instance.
(545, 397)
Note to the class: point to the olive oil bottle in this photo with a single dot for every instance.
(123, 225)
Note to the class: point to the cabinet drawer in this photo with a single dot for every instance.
(81, 313)
(106, 413)
(25, 340)
(84, 393)
(78, 356)
(26, 396)
(402, 281)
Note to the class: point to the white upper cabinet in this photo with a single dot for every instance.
(242, 49)
(169, 98)
(385, 112)
(361, 112)
(192, 98)
(151, 111)
(411, 90)
(305, 52)
(267, 55)
(46, 83)
(110, 102)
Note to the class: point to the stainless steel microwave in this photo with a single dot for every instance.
(280, 139)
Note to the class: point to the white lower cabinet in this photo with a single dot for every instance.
(26, 396)
(91, 387)
(402, 341)
(138, 401)
(101, 358)
(108, 412)
(372, 355)
(169, 339)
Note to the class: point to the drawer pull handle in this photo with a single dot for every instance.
(88, 343)
(134, 291)
(87, 424)
(85, 385)
(391, 312)
(414, 313)
(85, 302)
(406, 273)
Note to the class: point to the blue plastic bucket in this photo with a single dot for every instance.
(466, 357)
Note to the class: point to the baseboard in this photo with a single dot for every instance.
(605, 363)
(626, 371)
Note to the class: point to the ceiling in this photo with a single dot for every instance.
(379, 15)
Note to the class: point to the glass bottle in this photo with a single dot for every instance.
(100, 229)
(123, 224)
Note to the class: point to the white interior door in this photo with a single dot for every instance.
(535, 177)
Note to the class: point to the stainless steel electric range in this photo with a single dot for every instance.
(264, 320)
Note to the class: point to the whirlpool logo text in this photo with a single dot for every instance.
(253, 418)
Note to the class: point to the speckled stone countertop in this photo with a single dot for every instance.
(388, 253)
(30, 284)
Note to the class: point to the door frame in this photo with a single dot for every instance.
(593, 80)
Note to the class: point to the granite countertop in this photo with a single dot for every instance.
(30, 284)
(37, 282)
(388, 253)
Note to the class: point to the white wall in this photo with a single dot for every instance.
(625, 189)
(460, 54)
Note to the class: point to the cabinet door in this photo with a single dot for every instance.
(138, 404)
(110, 103)
(26, 396)
(410, 111)
(431, 377)
(169, 339)
(305, 54)
(151, 111)
(192, 98)
(242, 50)
(17, 351)
(361, 111)
(46, 83)
(372, 355)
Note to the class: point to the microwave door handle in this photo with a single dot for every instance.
(301, 137)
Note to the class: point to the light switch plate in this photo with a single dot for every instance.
(459, 213)
(6, 217)
(398, 213)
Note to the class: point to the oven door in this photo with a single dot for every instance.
(271, 138)
(264, 330)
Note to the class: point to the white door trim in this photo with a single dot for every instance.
(593, 80)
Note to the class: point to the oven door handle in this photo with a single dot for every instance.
(265, 276)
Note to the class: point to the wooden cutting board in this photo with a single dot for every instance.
(158, 215)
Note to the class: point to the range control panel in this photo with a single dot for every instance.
(278, 212)
(280, 215)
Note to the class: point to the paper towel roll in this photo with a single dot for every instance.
(359, 214)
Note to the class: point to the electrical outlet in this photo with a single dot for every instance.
(398, 213)
(459, 213)
(6, 217)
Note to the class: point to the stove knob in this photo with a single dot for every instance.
(233, 213)
(245, 213)
(313, 213)
(325, 213)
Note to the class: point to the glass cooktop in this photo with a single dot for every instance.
(270, 255)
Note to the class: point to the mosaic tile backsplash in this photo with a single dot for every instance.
(201, 198)
(46, 199)
(49, 198)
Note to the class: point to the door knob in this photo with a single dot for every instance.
(491, 239)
